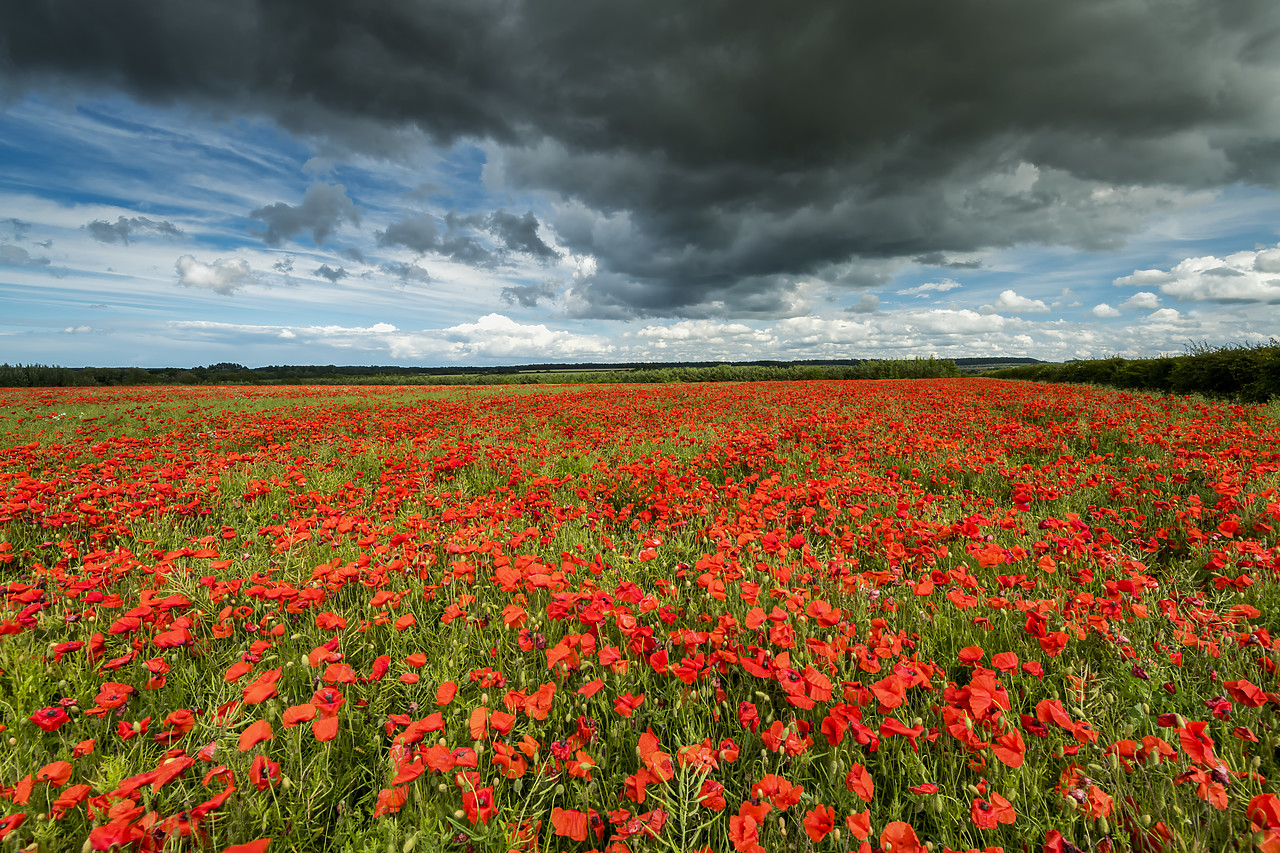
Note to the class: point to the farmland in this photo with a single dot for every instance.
(906, 615)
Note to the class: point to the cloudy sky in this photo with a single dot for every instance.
(503, 181)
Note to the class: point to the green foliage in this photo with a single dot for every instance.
(36, 375)
(1249, 373)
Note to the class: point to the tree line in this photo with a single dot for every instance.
(1249, 373)
(40, 375)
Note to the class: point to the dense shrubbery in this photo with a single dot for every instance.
(37, 375)
(1246, 372)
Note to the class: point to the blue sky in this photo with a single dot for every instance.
(257, 227)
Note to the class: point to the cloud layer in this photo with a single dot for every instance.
(716, 160)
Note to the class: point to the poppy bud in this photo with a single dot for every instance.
(1104, 826)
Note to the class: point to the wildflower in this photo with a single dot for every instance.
(819, 821)
(479, 805)
(264, 773)
(51, 719)
(985, 815)
(256, 733)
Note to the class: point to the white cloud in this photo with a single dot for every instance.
(1010, 302)
(225, 275)
(492, 337)
(703, 330)
(932, 286)
(584, 267)
(1102, 309)
(1141, 278)
(498, 336)
(1164, 317)
(1238, 277)
(1143, 301)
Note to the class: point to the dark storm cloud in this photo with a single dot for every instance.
(529, 295)
(323, 209)
(406, 273)
(941, 259)
(334, 275)
(125, 229)
(520, 234)
(459, 242)
(714, 155)
(417, 233)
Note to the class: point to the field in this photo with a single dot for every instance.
(899, 616)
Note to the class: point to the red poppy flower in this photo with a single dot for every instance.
(571, 823)
(390, 800)
(10, 823)
(744, 833)
(112, 695)
(1196, 743)
(859, 782)
(711, 795)
(56, 774)
(304, 713)
(1264, 811)
(254, 734)
(327, 701)
(479, 805)
(324, 728)
(264, 773)
(859, 824)
(902, 837)
(985, 815)
(1246, 693)
(819, 821)
(51, 719)
(626, 704)
(262, 688)
(581, 766)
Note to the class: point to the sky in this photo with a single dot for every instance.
(479, 182)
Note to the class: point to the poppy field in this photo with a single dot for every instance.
(892, 616)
